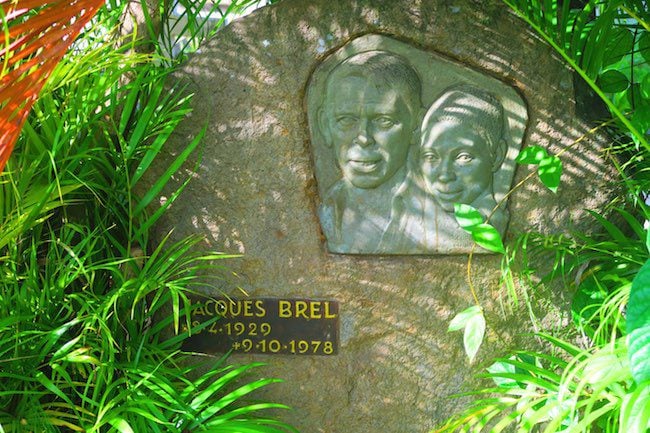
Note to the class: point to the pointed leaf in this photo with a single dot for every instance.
(645, 87)
(550, 171)
(644, 46)
(619, 43)
(501, 374)
(531, 155)
(635, 410)
(473, 336)
(488, 237)
(612, 81)
(638, 325)
(460, 320)
(467, 216)
(472, 320)
(605, 366)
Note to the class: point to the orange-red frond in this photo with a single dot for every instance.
(36, 44)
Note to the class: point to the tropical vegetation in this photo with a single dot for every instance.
(598, 379)
(91, 308)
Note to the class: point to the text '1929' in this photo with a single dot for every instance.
(264, 325)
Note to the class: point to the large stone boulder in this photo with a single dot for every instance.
(265, 171)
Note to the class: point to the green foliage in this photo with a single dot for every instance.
(186, 23)
(484, 234)
(604, 41)
(638, 325)
(603, 385)
(90, 307)
(472, 322)
(549, 167)
(572, 389)
(567, 390)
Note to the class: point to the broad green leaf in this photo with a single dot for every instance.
(612, 81)
(501, 374)
(472, 320)
(473, 335)
(467, 216)
(638, 325)
(620, 42)
(587, 300)
(644, 46)
(460, 320)
(638, 310)
(638, 342)
(645, 87)
(531, 155)
(647, 240)
(488, 237)
(634, 96)
(605, 366)
(635, 410)
(621, 101)
(550, 171)
(641, 118)
(483, 234)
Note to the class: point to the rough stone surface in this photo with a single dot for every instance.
(255, 192)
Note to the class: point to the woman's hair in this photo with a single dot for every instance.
(479, 109)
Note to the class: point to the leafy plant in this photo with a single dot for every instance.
(568, 388)
(35, 37)
(90, 308)
(602, 386)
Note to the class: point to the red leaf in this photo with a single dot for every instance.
(36, 45)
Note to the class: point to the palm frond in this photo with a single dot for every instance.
(36, 35)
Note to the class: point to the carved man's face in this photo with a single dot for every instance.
(456, 163)
(371, 128)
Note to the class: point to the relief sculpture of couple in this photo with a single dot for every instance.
(403, 166)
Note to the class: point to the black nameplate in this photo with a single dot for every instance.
(264, 325)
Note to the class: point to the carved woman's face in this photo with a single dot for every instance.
(371, 127)
(456, 163)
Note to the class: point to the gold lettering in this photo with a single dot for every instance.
(209, 307)
(235, 311)
(301, 309)
(261, 311)
(314, 310)
(221, 308)
(200, 311)
(328, 315)
(248, 308)
(284, 309)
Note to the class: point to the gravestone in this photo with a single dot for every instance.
(340, 134)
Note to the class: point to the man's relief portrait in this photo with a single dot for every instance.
(399, 137)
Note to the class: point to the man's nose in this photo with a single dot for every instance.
(446, 171)
(364, 135)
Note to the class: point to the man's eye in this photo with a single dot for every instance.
(384, 122)
(346, 121)
(464, 158)
(430, 156)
